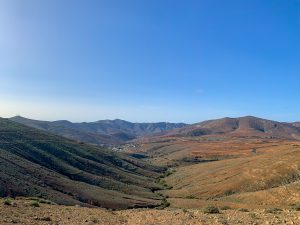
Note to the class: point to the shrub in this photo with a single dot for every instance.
(243, 210)
(47, 218)
(296, 207)
(225, 207)
(44, 201)
(164, 204)
(160, 194)
(190, 197)
(273, 210)
(7, 201)
(95, 220)
(211, 209)
(229, 192)
(253, 215)
(35, 204)
(41, 200)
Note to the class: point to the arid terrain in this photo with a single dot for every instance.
(22, 212)
(230, 176)
(38, 164)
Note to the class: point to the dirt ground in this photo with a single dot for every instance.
(22, 212)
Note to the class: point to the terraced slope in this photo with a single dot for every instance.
(36, 163)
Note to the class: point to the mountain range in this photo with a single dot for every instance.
(101, 132)
(36, 159)
(120, 131)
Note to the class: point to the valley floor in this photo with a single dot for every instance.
(21, 211)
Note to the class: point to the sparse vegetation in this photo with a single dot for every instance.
(211, 209)
(46, 218)
(163, 183)
(273, 210)
(253, 216)
(7, 201)
(35, 204)
(160, 194)
(44, 201)
(167, 173)
(184, 210)
(191, 197)
(51, 214)
(229, 192)
(95, 220)
(296, 207)
(225, 207)
(218, 182)
(41, 200)
(76, 172)
(164, 204)
(243, 210)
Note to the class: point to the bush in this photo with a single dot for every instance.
(211, 209)
(296, 207)
(273, 210)
(44, 201)
(41, 200)
(46, 218)
(225, 207)
(95, 220)
(253, 215)
(229, 192)
(160, 194)
(164, 204)
(190, 197)
(35, 204)
(243, 210)
(7, 201)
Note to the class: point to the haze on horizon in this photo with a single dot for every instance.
(149, 61)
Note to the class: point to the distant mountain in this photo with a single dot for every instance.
(100, 132)
(36, 163)
(248, 126)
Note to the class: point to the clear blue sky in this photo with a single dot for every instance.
(150, 60)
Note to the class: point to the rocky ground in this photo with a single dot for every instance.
(26, 211)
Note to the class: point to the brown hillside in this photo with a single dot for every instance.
(241, 127)
(270, 177)
(36, 163)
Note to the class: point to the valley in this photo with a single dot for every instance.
(248, 168)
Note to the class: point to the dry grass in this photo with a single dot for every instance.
(251, 181)
(178, 151)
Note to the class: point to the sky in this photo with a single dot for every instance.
(150, 60)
